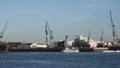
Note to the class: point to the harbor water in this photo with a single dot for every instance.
(59, 60)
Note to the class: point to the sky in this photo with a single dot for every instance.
(26, 19)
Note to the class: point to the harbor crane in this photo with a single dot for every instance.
(66, 38)
(101, 39)
(49, 35)
(113, 30)
(3, 32)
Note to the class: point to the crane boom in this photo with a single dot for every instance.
(4, 28)
(3, 32)
(111, 18)
(113, 30)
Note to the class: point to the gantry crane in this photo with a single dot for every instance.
(3, 32)
(49, 35)
(113, 30)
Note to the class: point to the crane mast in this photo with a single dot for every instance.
(113, 30)
(101, 39)
(66, 38)
(88, 39)
(48, 35)
(46, 31)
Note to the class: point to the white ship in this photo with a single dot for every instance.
(111, 51)
(70, 50)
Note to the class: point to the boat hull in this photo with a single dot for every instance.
(114, 48)
(36, 50)
(86, 50)
(3, 47)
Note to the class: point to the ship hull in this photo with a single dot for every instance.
(114, 48)
(36, 50)
(3, 47)
(86, 50)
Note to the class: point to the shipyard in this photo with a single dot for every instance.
(59, 33)
(77, 44)
(59, 27)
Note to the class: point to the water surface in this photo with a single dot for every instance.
(59, 60)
